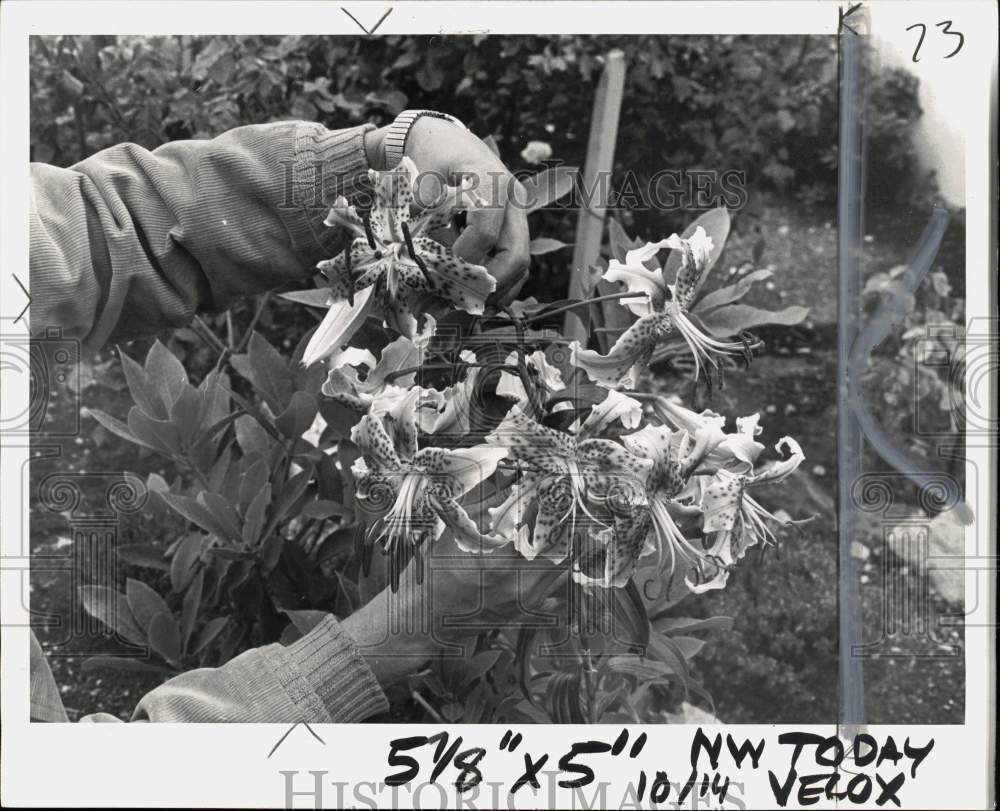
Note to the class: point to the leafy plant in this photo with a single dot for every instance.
(277, 459)
(282, 504)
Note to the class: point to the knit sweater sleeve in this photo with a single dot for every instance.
(320, 678)
(128, 241)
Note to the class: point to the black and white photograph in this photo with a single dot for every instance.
(451, 379)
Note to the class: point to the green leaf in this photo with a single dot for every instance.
(116, 427)
(669, 652)
(253, 522)
(479, 665)
(251, 483)
(264, 366)
(225, 553)
(156, 485)
(296, 419)
(690, 625)
(144, 555)
(532, 712)
(304, 620)
(318, 297)
(186, 414)
(220, 471)
(727, 295)
(165, 373)
(251, 436)
(620, 242)
(123, 663)
(688, 645)
(185, 556)
(643, 669)
(143, 392)
(208, 632)
(548, 186)
(543, 245)
(716, 224)
(197, 513)
(165, 637)
(564, 696)
(322, 508)
(339, 542)
(161, 435)
(348, 596)
(291, 492)
(522, 655)
(111, 608)
(270, 552)
(214, 391)
(732, 319)
(630, 616)
(190, 606)
(452, 711)
(223, 512)
(144, 603)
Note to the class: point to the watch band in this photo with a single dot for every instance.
(394, 144)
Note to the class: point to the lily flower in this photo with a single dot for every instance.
(737, 451)
(547, 377)
(413, 493)
(394, 259)
(651, 526)
(662, 308)
(735, 520)
(564, 476)
(345, 384)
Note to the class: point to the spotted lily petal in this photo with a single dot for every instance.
(460, 470)
(552, 533)
(375, 443)
(720, 501)
(696, 251)
(626, 542)
(532, 442)
(393, 200)
(462, 284)
(628, 357)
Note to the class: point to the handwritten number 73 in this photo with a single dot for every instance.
(945, 27)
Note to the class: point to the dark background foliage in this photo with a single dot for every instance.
(765, 106)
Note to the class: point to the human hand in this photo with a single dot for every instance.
(461, 596)
(496, 234)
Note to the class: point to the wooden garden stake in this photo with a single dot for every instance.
(596, 185)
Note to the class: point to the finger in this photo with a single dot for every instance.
(485, 219)
(446, 236)
(509, 265)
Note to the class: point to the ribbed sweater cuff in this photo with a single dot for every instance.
(327, 164)
(329, 660)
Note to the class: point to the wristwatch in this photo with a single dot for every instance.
(394, 144)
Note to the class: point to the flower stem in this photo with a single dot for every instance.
(441, 367)
(415, 695)
(584, 303)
